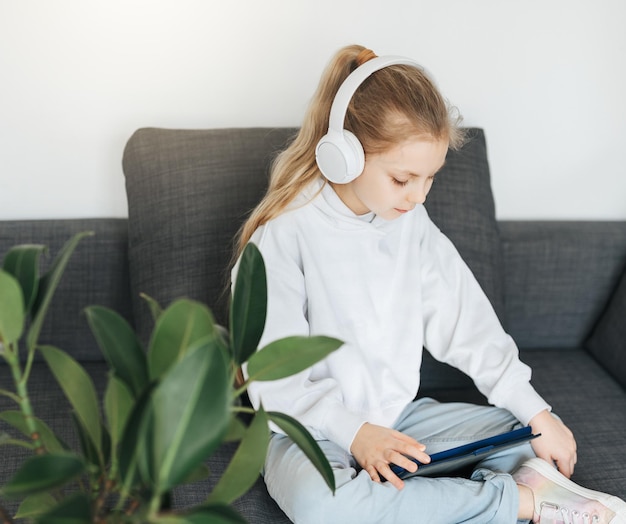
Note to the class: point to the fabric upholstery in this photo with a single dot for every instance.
(559, 276)
(592, 405)
(607, 342)
(188, 193)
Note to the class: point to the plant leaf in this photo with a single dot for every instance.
(79, 390)
(298, 433)
(11, 309)
(89, 451)
(120, 346)
(236, 429)
(75, 509)
(246, 464)
(135, 451)
(181, 325)
(47, 286)
(289, 355)
(118, 403)
(155, 308)
(35, 505)
(201, 472)
(41, 473)
(191, 412)
(23, 263)
(48, 438)
(248, 307)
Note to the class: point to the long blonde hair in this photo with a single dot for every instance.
(393, 104)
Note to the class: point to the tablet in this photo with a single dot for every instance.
(467, 454)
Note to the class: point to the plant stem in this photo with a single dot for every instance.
(10, 394)
(155, 505)
(29, 364)
(243, 409)
(242, 389)
(17, 442)
(24, 400)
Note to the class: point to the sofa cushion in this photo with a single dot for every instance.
(607, 342)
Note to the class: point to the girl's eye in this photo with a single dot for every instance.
(401, 183)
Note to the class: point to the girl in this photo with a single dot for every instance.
(350, 252)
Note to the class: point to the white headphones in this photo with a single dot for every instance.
(339, 154)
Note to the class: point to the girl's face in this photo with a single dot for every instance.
(395, 181)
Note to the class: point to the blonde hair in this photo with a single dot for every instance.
(392, 105)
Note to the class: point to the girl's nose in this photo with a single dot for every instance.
(418, 194)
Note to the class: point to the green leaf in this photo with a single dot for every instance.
(47, 286)
(23, 263)
(42, 473)
(191, 412)
(118, 403)
(47, 436)
(200, 473)
(75, 509)
(35, 505)
(79, 390)
(120, 346)
(11, 309)
(180, 326)
(290, 355)
(246, 464)
(135, 451)
(298, 433)
(236, 429)
(155, 308)
(248, 307)
(87, 447)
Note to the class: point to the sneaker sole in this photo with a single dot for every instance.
(615, 504)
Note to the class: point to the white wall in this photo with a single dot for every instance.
(545, 78)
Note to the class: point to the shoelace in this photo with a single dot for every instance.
(554, 514)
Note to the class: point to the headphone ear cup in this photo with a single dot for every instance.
(340, 156)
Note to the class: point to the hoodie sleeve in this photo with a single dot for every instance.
(311, 396)
(462, 329)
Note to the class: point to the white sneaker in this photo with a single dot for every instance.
(558, 500)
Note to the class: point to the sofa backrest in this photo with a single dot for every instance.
(189, 191)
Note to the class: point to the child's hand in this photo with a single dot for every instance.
(375, 447)
(556, 442)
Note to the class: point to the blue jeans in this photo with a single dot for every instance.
(490, 495)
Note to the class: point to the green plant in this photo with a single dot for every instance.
(165, 411)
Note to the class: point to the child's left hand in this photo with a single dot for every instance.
(556, 444)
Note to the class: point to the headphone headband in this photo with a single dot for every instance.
(355, 79)
(339, 154)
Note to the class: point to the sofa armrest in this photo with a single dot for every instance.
(558, 278)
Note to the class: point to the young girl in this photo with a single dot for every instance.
(350, 252)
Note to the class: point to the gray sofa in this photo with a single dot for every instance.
(556, 286)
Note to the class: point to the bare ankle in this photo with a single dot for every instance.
(526, 503)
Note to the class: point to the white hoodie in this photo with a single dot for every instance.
(385, 288)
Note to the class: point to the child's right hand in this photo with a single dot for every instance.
(375, 447)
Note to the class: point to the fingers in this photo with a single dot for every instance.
(566, 464)
(376, 448)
